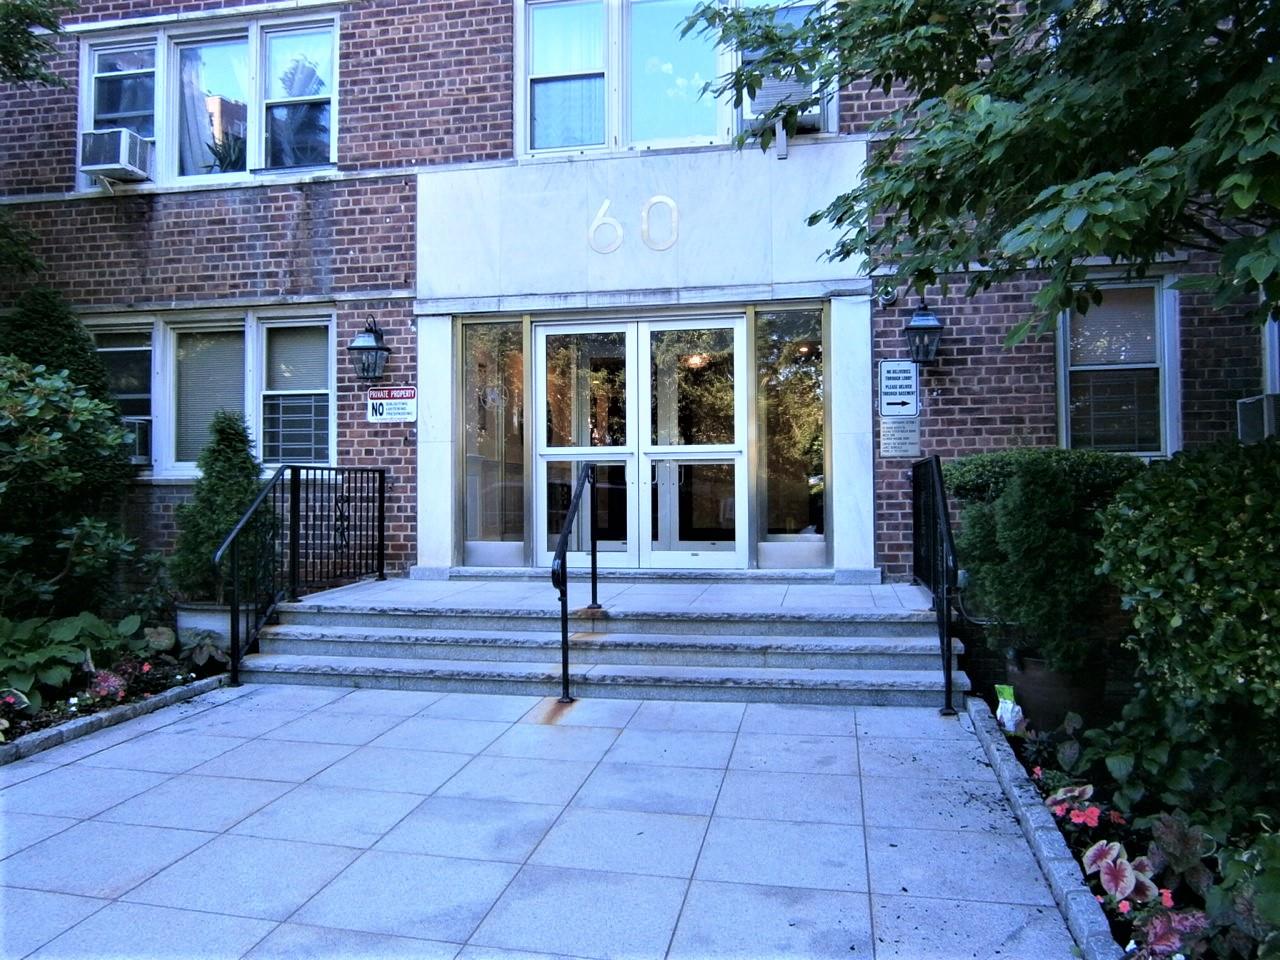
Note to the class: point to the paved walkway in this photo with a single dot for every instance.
(624, 596)
(305, 822)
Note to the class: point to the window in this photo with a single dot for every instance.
(618, 73)
(172, 375)
(774, 91)
(259, 96)
(1118, 390)
(127, 357)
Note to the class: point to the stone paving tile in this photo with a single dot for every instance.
(912, 723)
(650, 789)
(94, 859)
(687, 715)
(21, 830)
(783, 753)
(434, 898)
(671, 748)
(623, 841)
(939, 863)
(932, 759)
(246, 877)
(480, 706)
(289, 696)
(274, 760)
(132, 931)
(196, 803)
(34, 917)
(582, 713)
(89, 744)
(584, 913)
(325, 726)
(912, 928)
(798, 718)
(818, 855)
(541, 742)
(235, 720)
(518, 779)
(937, 804)
(76, 791)
(399, 703)
(20, 770)
(292, 941)
(343, 815)
(807, 797)
(162, 753)
(497, 953)
(472, 829)
(397, 770)
(747, 922)
(441, 734)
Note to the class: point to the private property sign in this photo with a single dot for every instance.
(393, 404)
(899, 389)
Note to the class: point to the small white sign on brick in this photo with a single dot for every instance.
(393, 404)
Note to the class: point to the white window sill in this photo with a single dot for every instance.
(194, 184)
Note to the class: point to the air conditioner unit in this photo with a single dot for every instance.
(773, 92)
(116, 154)
(1258, 417)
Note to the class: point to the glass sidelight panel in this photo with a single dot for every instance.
(586, 377)
(694, 505)
(693, 389)
(610, 506)
(791, 421)
(493, 421)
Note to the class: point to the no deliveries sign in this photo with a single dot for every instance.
(393, 404)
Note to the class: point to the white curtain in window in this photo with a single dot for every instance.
(1120, 330)
(214, 110)
(210, 377)
(567, 64)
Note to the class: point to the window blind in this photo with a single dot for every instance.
(210, 377)
(1120, 330)
(298, 358)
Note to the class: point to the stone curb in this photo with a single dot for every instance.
(74, 729)
(1084, 916)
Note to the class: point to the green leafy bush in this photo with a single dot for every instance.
(1193, 546)
(230, 479)
(57, 489)
(1028, 537)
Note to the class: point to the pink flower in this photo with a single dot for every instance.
(1098, 897)
(1166, 897)
(1036, 772)
(10, 699)
(146, 668)
(1091, 816)
(1123, 906)
(1060, 810)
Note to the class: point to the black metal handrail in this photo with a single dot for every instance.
(560, 570)
(933, 555)
(309, 528)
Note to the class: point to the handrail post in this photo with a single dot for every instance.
(595, 536)
(564, 637)
(295, 531)
(382, 524)
(235, 613)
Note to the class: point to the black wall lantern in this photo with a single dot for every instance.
(369, 352)
(924, 332)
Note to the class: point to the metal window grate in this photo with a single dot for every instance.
(295, 428)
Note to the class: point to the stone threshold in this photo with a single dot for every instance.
(40, 740)
(1084, 916)
(638, 575)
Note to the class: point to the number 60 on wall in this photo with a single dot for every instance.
(606, 232)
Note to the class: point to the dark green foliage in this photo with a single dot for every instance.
(43, 330)
(57, 447)
(1028, 536)
(28, 31)
(230, 479)
(1193, 545)
(1041, 135)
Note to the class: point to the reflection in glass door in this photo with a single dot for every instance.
(660, 406)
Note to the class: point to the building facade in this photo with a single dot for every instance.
(570, 262)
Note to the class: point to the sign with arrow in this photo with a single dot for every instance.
(899, 389)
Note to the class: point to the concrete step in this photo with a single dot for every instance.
(686, 649)
(857, 622)
(579, 575)
(665, 681)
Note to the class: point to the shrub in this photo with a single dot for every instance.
(1028, 535)
(57, 487)
(230, 479)
(1194, 547)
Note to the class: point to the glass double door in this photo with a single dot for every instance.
(660, 407)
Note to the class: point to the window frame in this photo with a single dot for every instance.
(254, 324)
(618, 94)
(138, 459)
(167, 41)
(1167, 364)
(266, 323)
